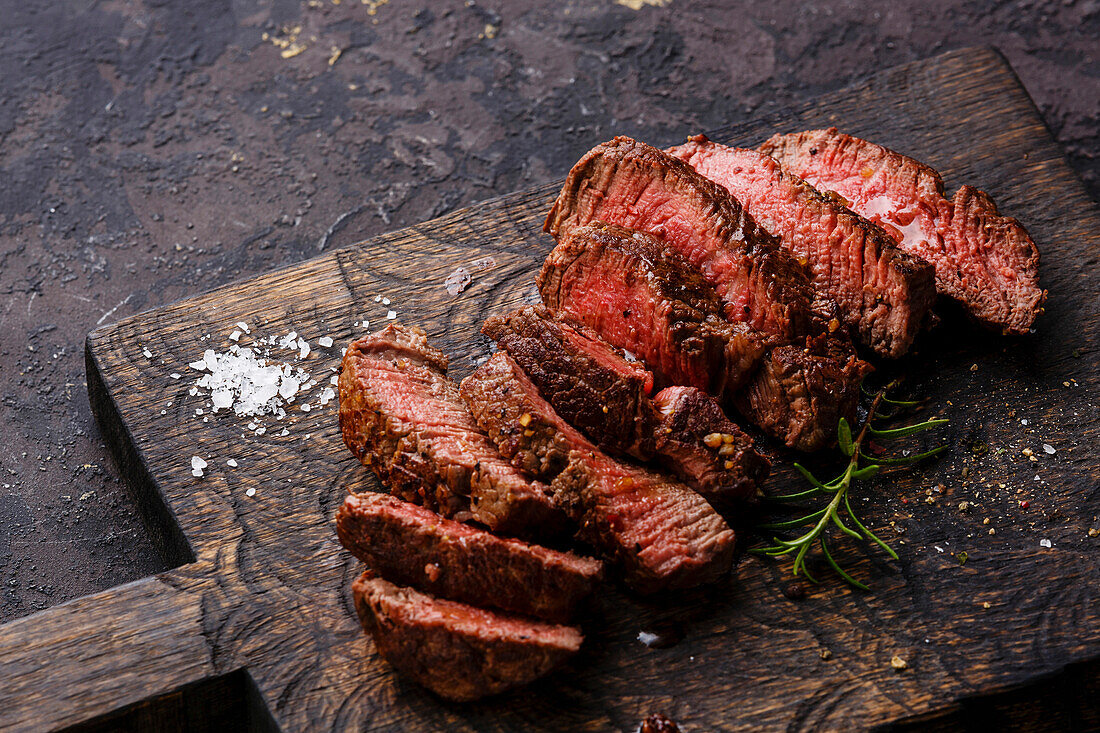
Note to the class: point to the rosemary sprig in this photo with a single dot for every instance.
(860, 466)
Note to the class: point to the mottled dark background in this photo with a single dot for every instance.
(153, 150)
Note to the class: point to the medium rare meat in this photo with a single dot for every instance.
(588, 382)
(801, 392)
(410, 545)
(592, 386)
(641, 296)
(696, 441)
(634, 185)
(526, 429)
(600, 272)
(883, 294)
(457, 651)
(403, 418)
(660, 533)
(984, 260)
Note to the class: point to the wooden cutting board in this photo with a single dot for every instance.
(255, 626)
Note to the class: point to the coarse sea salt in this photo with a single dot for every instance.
(232, 463)
(197, 464)
(391, 315)
(325, 341)
(246, 383)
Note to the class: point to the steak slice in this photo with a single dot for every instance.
(661, 534)
(457, 651)
(986, 261)
(403, 418)
(508, 407)
(697, 442)
(641, 296)
(413, 546)
(883, 294)
(800, 393)
(587, 381)
(634, 185)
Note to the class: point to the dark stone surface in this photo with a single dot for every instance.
(150, 151)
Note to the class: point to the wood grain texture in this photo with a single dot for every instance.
(265, 587)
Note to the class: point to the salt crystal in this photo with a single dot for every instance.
(366, 324)
(1048, 449)
(198, 365)
(326, 395)
(196, 472)
(385, 301)
(284, 433)
(290, 341)
(1023, 422)
(457, 281)
(378, 299)
(334, 379)
(198, 410)
(647, 638)
(1045, 543)
(325, 341)
(303, 348)
(235, 336)
(306, 407)
(174, 375)
(391, 315)
(197, 464)
(193, 391)
(231, 463)
(146, 353)
(243, 326)
(261, 430)
(250, 492)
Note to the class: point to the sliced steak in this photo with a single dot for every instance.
(986, 261)
(801, 392)
(413, 546)
(883, 294)
(508, 407)
(660, 533)
(403, 418)
(457, 651)
(641, 296)
(634, 185)
(588, 382)
(697, 442)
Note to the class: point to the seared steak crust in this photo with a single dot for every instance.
(660, 533)
(457, 651)
(525, 427)
(883, 293)
(697, 442)
(410, 545)
(587, 381)
(801, 392)
(986, 261)
(641, 296)
(402, 417)
(634, 185)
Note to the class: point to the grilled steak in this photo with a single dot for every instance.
(660, 533)
(588, 382)
(697, 442)
(457, 651)
(801, 392)
(984, 260)
(413, 546)
(641, 296)
(883, 294)
(526, 429)
(634, 185)
(401, 416)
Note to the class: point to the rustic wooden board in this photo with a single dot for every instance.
(260, 596)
